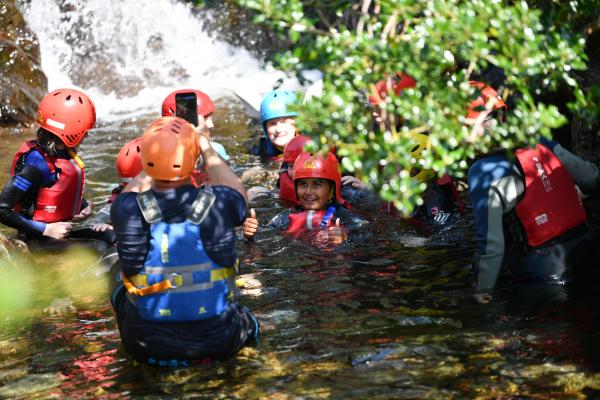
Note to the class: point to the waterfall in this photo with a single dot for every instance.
(128, 55)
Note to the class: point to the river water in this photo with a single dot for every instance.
(388, 316)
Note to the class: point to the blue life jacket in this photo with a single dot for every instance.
(179, 282)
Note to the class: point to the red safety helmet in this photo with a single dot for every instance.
(67, 113)
(309, 165)
(400, 83)
(486, 94)
(129, 160)
(205, 104)
(170, 149)
(294, 148)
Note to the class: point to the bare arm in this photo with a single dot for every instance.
(218, 171)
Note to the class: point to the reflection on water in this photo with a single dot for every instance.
(387, 317)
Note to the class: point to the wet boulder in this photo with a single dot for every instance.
(22, 81)
(10, 248)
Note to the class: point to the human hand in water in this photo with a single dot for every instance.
(102, 227)
(483, 298)
(85, 213)
(57, 230)
(250, 225)
(353, 181)
(337, 234)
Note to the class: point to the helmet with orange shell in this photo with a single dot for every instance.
(129, 160)
(68, 114)
(488, 99)
(205, 105)
(170, 149)
(310, 165)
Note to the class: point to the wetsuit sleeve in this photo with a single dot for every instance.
(584, 173)
(102, 216)
(20, 187)
(495, 185)
(348, 219)
(218, 228)
(281, 220)
(132, 231)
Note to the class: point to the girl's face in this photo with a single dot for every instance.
(280, 131)
(314, 193)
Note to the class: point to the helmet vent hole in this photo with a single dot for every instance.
(80, 100)
(138, 149)
(68, 97)
(175, 131)
(176, 166)
(57, 93)
(414, 149)
(151, 164)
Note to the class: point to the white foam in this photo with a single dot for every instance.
(145, 40)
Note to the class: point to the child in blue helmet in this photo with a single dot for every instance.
(278, 123)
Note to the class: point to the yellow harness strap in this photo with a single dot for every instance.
(75, 157)
(133, 283)
(152, 289)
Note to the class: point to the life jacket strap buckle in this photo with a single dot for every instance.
(176, 280)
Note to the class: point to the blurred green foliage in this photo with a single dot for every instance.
(534, 46)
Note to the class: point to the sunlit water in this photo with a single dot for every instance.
(389, 316)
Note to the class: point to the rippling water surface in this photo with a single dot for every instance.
(387, 317)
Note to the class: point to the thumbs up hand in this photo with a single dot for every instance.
(337, 234)
(250, 225)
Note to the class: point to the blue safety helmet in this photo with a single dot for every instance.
(275, 105)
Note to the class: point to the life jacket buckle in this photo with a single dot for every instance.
(175, 280)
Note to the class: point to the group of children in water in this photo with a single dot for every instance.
(174, 223)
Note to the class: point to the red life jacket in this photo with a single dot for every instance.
(551, 205)
(287, 192)
(305, 221)
(61, 201)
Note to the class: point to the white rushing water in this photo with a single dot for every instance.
(128, 55)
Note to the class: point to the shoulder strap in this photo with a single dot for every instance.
(328, 215)
(149, 206)
(201, 205)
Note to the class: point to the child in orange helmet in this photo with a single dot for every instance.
(175, 299)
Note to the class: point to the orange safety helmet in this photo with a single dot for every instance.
(400, 83)
(170, 149)
(309, 165)
(294, 148)
(68, 114)
(486, 94)
(129, 160)
(205, 104)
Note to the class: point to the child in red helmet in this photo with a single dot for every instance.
(44, 194)
(128, 165)
(442, 205)
(320, 214)
(287, 192)
(205, 109)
